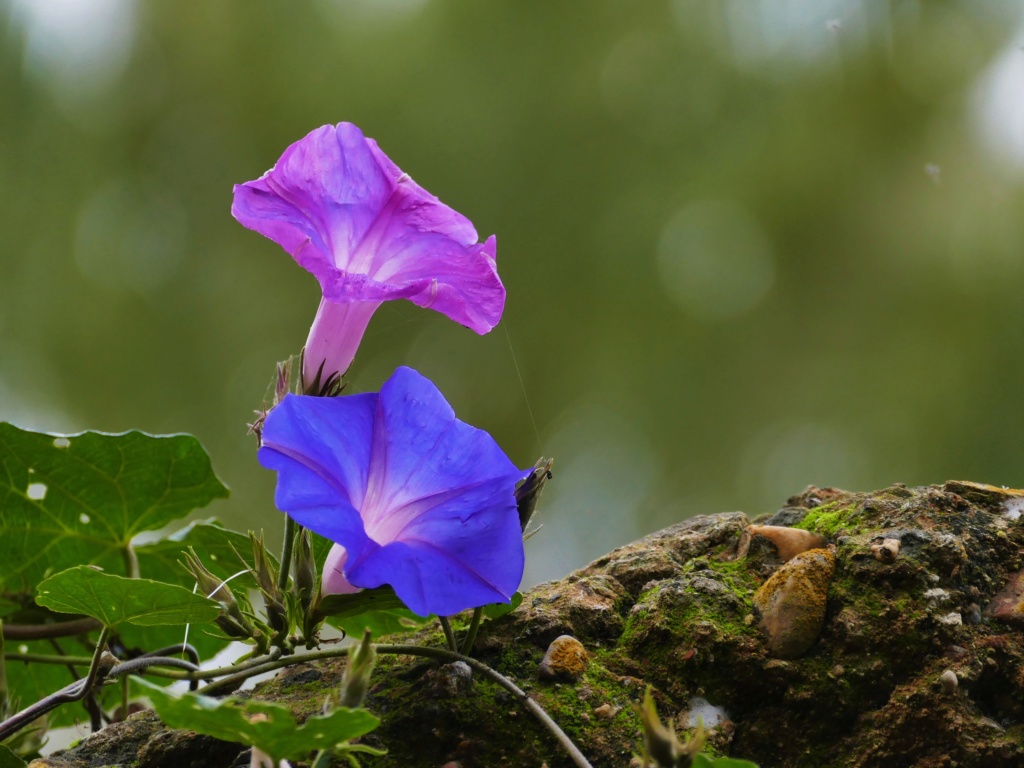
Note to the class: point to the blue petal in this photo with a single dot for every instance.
(452, 565)
(422, 451)
(320, 448)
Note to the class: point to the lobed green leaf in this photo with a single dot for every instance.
(80, 499)
(116, 600)
(269, 727)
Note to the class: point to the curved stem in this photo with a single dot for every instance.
(76, 691)
(145, 662)
(183, 648)
(15, 723)
(47, 631)
(449, 635)
(50, 658)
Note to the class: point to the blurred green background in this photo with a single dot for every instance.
(748, 246)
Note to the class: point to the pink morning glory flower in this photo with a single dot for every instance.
(368, 233)
(412, 496)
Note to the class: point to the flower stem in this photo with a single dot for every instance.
(290, 528)
(449, 635)
(46, 631)
(76, 691)
(474, 626)
(50, 658)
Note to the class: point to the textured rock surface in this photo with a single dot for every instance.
(674, 610)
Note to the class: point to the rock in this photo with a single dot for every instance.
(948, 682)
(792, 602)
(566, 659)
(607, 711)
(672, 611)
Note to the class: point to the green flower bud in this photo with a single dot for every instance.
(662, 747)
(266, 578)
(355, 680)
(232, 621)
(304, 569)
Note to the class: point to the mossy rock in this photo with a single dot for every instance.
(673, 611)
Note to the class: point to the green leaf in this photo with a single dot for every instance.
(66, 501)
(379, 610)
(116, 600)
(269, 727)
(706, 761)
(10, 760)
(497, 610)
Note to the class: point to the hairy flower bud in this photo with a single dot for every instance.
(355, 680)
(209, 585)
(662, 747)
(266, 577)
(232, 621)
(304, 569)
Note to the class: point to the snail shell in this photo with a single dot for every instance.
(792, 602)
(789, 542)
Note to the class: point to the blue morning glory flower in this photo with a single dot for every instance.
(415, 498)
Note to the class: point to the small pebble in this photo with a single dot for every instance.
(606, 711)
(566, 659)
(455, 678)
(949, 682)
(951, 619)
(885, 550)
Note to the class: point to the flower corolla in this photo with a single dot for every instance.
(411, 496)
(369, 233)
